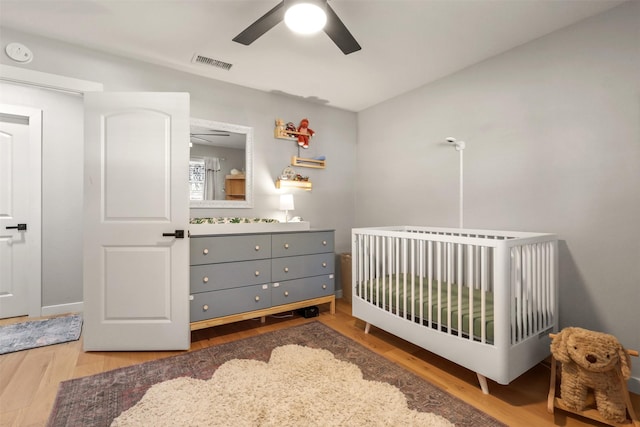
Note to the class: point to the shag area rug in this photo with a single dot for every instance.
(99, 399)
(39, 333)
(298, 386)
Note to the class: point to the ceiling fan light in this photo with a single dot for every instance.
(305, 18)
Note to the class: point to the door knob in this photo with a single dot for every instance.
(19, 227)
(179, 234)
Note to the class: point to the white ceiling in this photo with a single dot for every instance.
(405, 44)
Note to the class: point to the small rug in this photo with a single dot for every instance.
(298, 386)
(98, 399)
(39, 333)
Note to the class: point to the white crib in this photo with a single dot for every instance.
(485, 300)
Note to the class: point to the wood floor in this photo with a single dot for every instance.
(29, 379)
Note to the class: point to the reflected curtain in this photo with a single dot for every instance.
(211, 167)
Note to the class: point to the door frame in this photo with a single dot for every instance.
(42, 80)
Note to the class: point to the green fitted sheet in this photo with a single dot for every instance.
(389, 301)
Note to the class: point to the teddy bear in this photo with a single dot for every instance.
(592, 360)
(304, 133)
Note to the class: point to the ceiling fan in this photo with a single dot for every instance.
(334, 27)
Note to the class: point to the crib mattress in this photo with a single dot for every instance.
(466, 308)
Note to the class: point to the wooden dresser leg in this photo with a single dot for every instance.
(367, 328)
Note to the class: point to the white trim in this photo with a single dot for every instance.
(52, 310)
(49, 81)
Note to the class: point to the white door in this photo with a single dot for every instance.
(20, 188)
(136, 279)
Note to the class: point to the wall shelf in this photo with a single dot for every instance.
(307, 163)
(280, 132)
(234, 188)
(305, 185)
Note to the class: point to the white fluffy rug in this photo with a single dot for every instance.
(299, 386)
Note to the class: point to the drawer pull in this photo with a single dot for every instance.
(286, 293)
(286, 246)
(324, 243)
(286, 269)
(257, 298)
(324, 286)
(257, 247)
(257, 273)
(205, 279)
(324, 264)
(205, 251)
(205, 307)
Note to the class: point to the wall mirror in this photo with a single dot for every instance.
(220, 165)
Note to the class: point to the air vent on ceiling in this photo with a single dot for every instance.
(199, 59)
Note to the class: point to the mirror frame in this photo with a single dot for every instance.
(248, 146)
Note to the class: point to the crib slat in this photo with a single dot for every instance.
(379, 298)
(472, 282)
(518, 293)
(404, 255)
(421, 283)
(396, 254)
(430, 282)
(483, 293)
(449, 285)
(529, 286)
(512, 286)
(413, 279)
(460, 279)
(439, 279)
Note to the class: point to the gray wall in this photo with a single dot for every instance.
(328, 205)
(553, 145)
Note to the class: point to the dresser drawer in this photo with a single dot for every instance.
(209, 305)
(295, 267)
(290, 244)
(301, 289)
(206, 250)
(210, 277)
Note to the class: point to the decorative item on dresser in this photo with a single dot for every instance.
(244, 276)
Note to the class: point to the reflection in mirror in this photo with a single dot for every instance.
(220, 165)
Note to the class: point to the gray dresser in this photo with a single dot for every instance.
(243, 276)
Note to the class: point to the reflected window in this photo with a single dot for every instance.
(196, 179)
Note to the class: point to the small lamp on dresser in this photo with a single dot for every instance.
(286, 205)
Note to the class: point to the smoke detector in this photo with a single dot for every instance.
(19, 52)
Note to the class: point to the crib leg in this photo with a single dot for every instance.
(367, 328)
(483, 383)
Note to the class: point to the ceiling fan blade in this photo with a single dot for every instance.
(199, 139)
(339, 33)
(262, 25)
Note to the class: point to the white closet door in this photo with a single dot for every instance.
(20, 154)
(136, 281)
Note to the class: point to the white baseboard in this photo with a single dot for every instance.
(52, 310)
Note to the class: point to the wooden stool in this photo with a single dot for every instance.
(591, 412)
